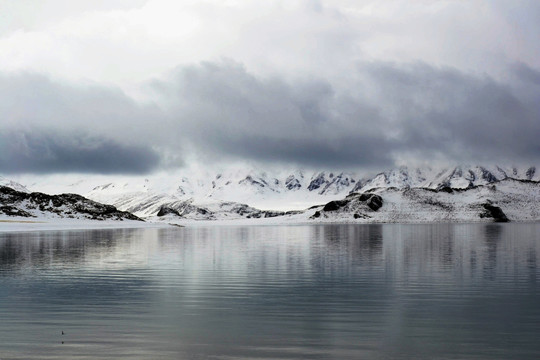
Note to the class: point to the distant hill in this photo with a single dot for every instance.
(38, 205)
(423, 194)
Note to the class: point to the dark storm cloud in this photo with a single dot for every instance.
(385, 112)
(342, 152)
(52, 153)
(381, 113)
(462, 117)
(526, 73)
(48, 127)
(229, 112)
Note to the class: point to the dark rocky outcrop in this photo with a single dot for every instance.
(292, 183)
(165, 210)
(335, 205)
(13, 211)
(494, 212)
(271, 213)
(446, 189)
(317, 182)
(488, 176)
(186, 209)
(354, 203)
(17, 203)
(336, 182)
(375, 202)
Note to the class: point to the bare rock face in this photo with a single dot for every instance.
(292, 183)
(494, 212)
(13, 211)
(18, 203)
(335, 205)
(317, 182)
(360, 205)
(375, 202)
(165, 210)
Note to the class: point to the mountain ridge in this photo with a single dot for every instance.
(248, 193)
(39, 205)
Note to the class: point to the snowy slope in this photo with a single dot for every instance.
(519, 200)
(292, 190)
(12, 184)
(458, 177)
(20, 204)
(281, 189)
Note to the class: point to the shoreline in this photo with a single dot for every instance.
(24, 225)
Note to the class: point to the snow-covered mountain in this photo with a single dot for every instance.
(504, 200)
(294, 190)
(289, 191)
(458, 177)
(243, 192)
(12, 184)
(15, 203)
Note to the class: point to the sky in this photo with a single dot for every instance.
(141, 86)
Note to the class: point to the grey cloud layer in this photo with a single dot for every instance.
(48, 127)
(383, 112)
(51, 153)
(221, 111)
(230, 112)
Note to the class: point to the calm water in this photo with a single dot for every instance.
(296, 292)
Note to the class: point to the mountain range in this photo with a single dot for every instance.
(458, 193)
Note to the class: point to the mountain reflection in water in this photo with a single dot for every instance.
(289, 292)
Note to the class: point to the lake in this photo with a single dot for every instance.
(443, 291)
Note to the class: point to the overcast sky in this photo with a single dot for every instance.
(137, 86)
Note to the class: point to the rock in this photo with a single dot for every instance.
(203, 211)
(494, 212)
(335, 205)
(488, 176)
(250, 181)
(364, 197)
(292, 183)
(375, 202)
(165, 210)
(446, 189)
(13, 211)
(317, 182)
(17, 203)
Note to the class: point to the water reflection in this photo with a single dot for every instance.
(328, 291)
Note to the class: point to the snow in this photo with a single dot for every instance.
(520, 201)
(12, 184)
(270, 190)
